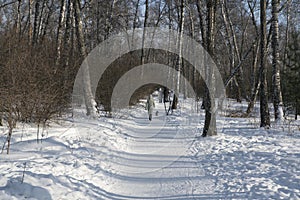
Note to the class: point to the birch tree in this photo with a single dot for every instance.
(233, 50)
(277, 96)
(264, 108)
(180, 35)
(89, 98)
(46, 19)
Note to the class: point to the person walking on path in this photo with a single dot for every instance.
(150, 106)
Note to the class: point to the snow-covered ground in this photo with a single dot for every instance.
(128, 157)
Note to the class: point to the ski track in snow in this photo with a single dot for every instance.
(128, 157)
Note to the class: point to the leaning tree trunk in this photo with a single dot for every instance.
(45, 21)
(277, 96)
(233, 50)
(264, 108)
(209, 99)
(89, 99)
(255, 82)
(40, 20)
(255, 76)
(239, 76)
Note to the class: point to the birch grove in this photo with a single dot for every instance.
(253, 44)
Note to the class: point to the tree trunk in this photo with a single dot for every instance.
(8, 139)
(209, 99)
(255, 76)
(40, 21)
(253, 97)
(264, 108)
(239, 75)
(89, 99)
(255, 82)
(235, 52)
(134, 23)
(297, 111)
(144, 33)
(277, 96)
(45, 22)
(61, 26)
(11, 124)
(232, 50)
(29, 22)
(109, 18)
(285, 57)
(18, 20)
(192, 77)
(202, 23)
(67, 34)
(36, 23)
(203, 30)
(181, 28)
(170, 77)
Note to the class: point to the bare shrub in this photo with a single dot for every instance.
(32, 88)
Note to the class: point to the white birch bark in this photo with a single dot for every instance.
(277, 96)
(89, 99)
(181, 28)
(264, 108)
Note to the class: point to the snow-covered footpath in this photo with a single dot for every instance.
(128, 157)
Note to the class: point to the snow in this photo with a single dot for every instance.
(129, 157)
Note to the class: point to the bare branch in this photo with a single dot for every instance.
(236, 69)
(7, 4)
